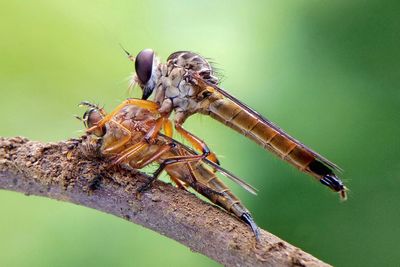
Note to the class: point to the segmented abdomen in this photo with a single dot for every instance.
(205, 176)
(227, 199)
(267, 135)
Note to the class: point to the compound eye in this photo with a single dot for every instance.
(144, 65)
(91, 118)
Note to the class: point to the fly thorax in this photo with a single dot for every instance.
(193, 62)
(174, 89)
(176, 76)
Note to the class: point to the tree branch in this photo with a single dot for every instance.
(61, 171)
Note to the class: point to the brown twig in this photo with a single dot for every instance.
(61, 171)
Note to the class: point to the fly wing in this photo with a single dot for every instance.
(223, 171)
(231, 176)
(267, 122)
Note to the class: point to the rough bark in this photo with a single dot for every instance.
(62, 171)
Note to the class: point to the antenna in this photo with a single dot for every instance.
(130, 57)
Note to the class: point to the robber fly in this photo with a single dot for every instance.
(187, 84)
(131, 137)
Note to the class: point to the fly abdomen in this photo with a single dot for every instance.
(327, 177)
(235, 117)
(300, 157)
(251, 124)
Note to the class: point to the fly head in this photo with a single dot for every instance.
(145, 67)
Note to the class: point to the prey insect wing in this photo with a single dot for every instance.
(223, 171)
(123, 140)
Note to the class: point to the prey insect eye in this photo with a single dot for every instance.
(144, 65)
(91, 118)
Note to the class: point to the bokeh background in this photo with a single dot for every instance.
(325, 71)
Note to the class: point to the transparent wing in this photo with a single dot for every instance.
(223, 171)
(267, 122)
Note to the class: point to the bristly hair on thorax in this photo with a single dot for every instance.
(217, 71)
(193, 61)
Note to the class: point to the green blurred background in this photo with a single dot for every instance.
(325, 71)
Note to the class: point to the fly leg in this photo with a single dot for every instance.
(168, 127)
(149, 105)
(153, 158)
(132, 153)
(197, 143)
(193, 140)
(161, 122)
(193, 181)
(170, 161)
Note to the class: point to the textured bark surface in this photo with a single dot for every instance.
(64, 172)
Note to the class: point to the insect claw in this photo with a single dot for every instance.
(149, 182)
(246, 217)
(138, 195)
(95, 183)
(143, 188)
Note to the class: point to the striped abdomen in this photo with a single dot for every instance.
(203, 179)
(251, 124)
(212, 188)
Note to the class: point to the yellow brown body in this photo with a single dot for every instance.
(123, 141)
(187, 84)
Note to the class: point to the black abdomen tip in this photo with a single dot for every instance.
(328, 177)
(333, 182)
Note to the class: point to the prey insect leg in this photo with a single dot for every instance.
(133, 151)
(170, 161)
(153, 157)
(120, 142)
(149, 105)
(129, 152)
(180, 184)
(153, 132)
(193, 181)
(162, 166)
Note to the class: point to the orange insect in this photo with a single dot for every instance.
(186, 85)
(131, 136)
